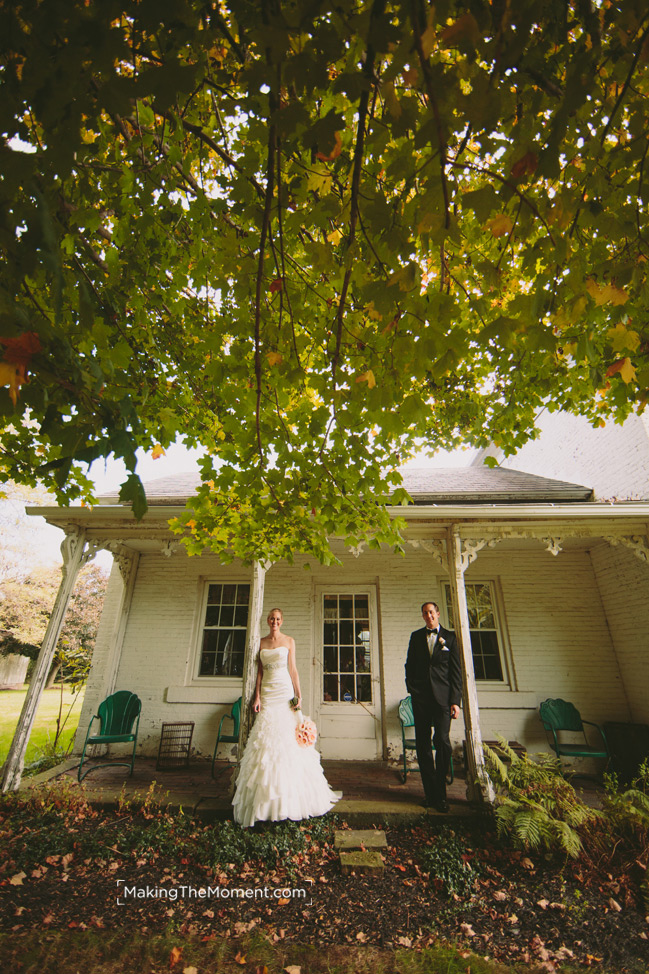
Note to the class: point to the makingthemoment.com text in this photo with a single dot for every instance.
(134, 892)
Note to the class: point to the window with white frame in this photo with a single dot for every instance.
(347, 648)
(223, 633)
(483, 624)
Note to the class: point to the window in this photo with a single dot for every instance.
(347, 648)
(224, 630)
(487, 658)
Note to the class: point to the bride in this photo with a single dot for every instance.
(278, 778)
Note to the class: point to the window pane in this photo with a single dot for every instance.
(224, 632)
(362, 607)
(487, 662)
(346, 606)
(346, 659)
(330, 659)
(330, 633)
(449, 606)
(346, 641)
(364, 689)
(346, 633)
(485, 615)
(471, 606)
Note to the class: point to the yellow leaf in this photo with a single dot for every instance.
(320, 181)
(627, 372)
(499, 225)
(157, 452)
(174, 956)
(274, 358)
(293, 969)
(624, 367)
(622, 339)
(17, 880)
(240, 958)
(372, 313)
(334, 237)
(191, 524)
(13, 376)
(605, 293)
(367, 377)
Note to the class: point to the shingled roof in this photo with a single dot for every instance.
(426, 485)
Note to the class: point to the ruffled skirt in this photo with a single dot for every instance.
(277, 778)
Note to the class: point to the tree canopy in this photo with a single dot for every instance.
(305, 235)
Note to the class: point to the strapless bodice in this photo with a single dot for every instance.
(274, 657)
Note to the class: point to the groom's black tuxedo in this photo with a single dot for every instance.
(434, 684)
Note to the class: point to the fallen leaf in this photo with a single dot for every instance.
(189, 970)
(17, 880)
(404, 941)
(240, 958)
(467, 930)
(614, 905)
(49, 918)
(282, 901)
(527, 863)
(500, 896)
(362, 937)
(293, 969)
(174, 956)
(543, 904)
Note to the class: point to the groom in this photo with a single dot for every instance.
(434, 681)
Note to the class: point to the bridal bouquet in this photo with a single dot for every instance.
(306, 733)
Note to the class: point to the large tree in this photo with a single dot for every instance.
(305, 234)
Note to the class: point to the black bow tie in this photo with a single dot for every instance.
(429, 631)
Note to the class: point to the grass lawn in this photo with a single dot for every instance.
(11, 703)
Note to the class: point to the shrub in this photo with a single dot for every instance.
(537, 807)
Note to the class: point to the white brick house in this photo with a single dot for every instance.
(556, 587)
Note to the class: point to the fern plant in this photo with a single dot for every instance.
(537, 807)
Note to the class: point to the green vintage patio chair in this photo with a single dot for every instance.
(407, 721)
(559, 715)
(233, 738)
(116, 715)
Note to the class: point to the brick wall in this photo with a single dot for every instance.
(553, 618)
(613, 460)
(623, 582)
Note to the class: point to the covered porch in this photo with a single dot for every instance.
(372, 792)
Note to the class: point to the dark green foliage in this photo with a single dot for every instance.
(536, 806)
(451, 863)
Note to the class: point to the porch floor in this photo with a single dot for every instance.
(372, 790)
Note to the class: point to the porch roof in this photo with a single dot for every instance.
(426, 485)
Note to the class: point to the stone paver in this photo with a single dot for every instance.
(368, 863)
(360, 839)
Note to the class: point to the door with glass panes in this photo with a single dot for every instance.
(349, 713)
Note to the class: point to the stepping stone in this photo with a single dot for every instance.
(360, 839)
(370, 863)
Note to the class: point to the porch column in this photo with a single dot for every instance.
(252, 645)
(75, 555)
(478, 783)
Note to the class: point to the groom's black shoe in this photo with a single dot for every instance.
(441, 806)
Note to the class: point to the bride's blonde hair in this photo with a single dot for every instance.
(276, 609)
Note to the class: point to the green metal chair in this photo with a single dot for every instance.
(409, 744)
(559, 715)
(233, 738)
(116, 715)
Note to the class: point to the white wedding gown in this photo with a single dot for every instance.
(277, 778)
